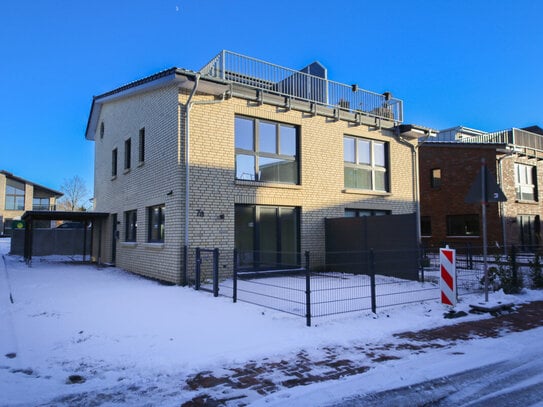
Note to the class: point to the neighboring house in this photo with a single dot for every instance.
(243, 155)
(18, 195)
(449, 165)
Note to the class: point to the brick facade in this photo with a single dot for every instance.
(214, 191)
(460, 165)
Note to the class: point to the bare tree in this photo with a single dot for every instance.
(75, 196)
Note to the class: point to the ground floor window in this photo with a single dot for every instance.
(426, 226)
(356, 213)
(267, 237)
(156, 223)
(130, 225)
(463, 225)
(529, 231)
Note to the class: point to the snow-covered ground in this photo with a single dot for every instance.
(121, 331)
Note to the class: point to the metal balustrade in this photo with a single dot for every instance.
(309, 84)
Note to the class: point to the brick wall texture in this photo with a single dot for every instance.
(160, 179)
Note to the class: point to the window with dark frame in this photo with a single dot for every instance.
(463, 225)
(435, 178)
(131, 225)
(365, 164)
(426, 225)
(266, 151)
(156, 223)
(114, 162)
(127, 153)
(141, 155)
(15, 195)
(357, 213)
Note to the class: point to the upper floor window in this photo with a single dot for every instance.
(156, 223)
(266, 151)
(366, 164)
(127, 153)
(525, 182)
(15, 195)
(40, 203)
(435, 178)
(131, 225)
(114, 162)
(141, 155)
(463, 225)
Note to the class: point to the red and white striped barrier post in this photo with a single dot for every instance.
(447, 281)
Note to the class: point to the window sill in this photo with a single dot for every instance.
(126, 171)
(129, 244)
(141, 164)
(365, 192)
(154, 246)
(520, 201)
(267, 184)
(464, 237)
(113, 177)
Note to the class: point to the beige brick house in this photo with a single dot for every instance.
(243, 154)
(18, 195)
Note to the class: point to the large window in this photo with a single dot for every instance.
(266, 151)
(267, 236)
(156, 223)
(131, 225)
(15, 195)
(366, 164)
(525, 182)
(40, 203)
(463, 225)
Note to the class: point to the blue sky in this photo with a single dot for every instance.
(466, 62)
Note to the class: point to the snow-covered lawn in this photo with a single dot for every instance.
(119, 330)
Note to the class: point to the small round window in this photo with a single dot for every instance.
(102, 130)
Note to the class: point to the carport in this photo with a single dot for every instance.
(95, 219)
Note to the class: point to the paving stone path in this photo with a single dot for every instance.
(238, 385)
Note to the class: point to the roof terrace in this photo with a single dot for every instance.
(309, 84)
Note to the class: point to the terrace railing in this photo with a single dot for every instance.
(516, 138)
(302, 85)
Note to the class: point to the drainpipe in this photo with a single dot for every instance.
(188, 106)
(416, 189)
(501, 204)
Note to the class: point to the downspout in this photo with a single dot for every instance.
(188, 106)
(416, 189)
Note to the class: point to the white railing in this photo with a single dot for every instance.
(307, 86)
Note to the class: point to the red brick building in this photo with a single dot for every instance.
(449, 166)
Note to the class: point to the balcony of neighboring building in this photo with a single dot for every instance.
(309, 84)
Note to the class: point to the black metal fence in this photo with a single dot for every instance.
(311, 294)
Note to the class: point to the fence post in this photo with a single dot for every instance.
(422, 259)
(235, 282)
(372, 282)
(184, 275)
(307, 290)
(198, 269)
(470, 257)
(514, 267)
(215, 272)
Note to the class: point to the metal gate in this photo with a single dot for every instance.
(206, 270)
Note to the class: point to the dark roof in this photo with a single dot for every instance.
(534, 129)
(58, 194)
(64, 215)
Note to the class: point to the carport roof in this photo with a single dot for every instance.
(64, 215)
